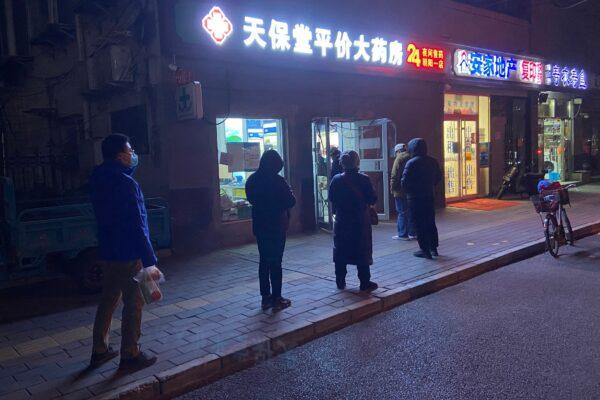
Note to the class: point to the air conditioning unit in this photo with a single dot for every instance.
(112, 66)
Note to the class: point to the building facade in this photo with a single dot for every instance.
(477, 84)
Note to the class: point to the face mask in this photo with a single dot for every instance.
(134, 160)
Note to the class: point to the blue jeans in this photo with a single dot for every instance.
(405, 224)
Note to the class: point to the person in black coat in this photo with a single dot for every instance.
(336, 164)
(420, 176)
(351, 194)
(271, 198)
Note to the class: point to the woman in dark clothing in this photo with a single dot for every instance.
(351, 194)
(271, 199)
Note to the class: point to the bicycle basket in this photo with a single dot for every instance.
(544, 206)
(564, 196)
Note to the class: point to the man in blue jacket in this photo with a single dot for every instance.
(124, 246)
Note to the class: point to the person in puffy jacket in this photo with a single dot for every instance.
(406, 230)
(124, 247)
(271, 198)
(351, 194)
(421, 174)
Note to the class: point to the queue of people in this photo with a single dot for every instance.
(125, 248)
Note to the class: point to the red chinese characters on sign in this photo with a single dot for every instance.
(531, 71)
(217, 25)
(429, 58)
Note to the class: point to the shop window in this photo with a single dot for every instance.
(241, 142)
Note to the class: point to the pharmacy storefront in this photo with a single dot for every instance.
(303, 85)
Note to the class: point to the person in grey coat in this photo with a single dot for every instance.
(351, 194)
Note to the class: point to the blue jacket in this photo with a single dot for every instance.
(121, 215)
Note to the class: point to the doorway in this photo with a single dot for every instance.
(369, 138)
(461, 164)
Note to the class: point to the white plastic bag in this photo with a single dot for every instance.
(148, 279)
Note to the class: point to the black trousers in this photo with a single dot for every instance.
(364, 272)
(423, 214)
(270, 249)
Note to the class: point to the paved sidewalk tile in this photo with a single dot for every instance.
(212, 307)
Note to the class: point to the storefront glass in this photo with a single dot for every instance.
(555, 138)
(371, 139)
(241, 142)
(466, 144)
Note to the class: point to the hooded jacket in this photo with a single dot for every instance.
(270, 195)
(121, 215)
(421, 172)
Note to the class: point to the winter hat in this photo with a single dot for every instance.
(399, 147)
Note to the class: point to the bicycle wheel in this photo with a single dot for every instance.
(552, 235)
(568, 230)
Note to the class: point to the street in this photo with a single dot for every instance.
(526, 331)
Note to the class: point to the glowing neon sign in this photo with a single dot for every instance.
(426, 57)
(562, 76)
(479, 64)
(216, 24)
(321, 42)
(302, 39)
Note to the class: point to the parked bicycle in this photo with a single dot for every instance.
(557, 227)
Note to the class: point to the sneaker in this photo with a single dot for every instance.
(141, 361)
(280, 303)
(410, 237)
(400, 237)
(266, 302)
(369, 286)
(341, 283)
(100, 358)
(435, 253)
(423, 254)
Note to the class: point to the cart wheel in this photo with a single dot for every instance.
(89, 271)
(552, 235)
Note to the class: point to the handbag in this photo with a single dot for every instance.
(373, 216)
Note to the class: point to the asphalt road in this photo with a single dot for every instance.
(527, 331)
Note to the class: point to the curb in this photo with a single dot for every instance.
(202, 371)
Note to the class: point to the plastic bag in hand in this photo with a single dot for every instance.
(148, 280)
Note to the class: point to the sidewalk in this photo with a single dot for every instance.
(211, 324)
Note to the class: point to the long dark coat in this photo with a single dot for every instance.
(351, 193)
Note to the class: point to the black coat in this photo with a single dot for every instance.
(351, 193)
(421, 172)
(271, 197)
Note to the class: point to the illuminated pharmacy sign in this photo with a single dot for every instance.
(297, 38)
(480, 64)
(567, 77)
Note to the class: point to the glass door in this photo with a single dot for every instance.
(372, 146)
(370, 140)
(321, 168)
(461, 157)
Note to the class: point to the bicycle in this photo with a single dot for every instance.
(557, 226)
